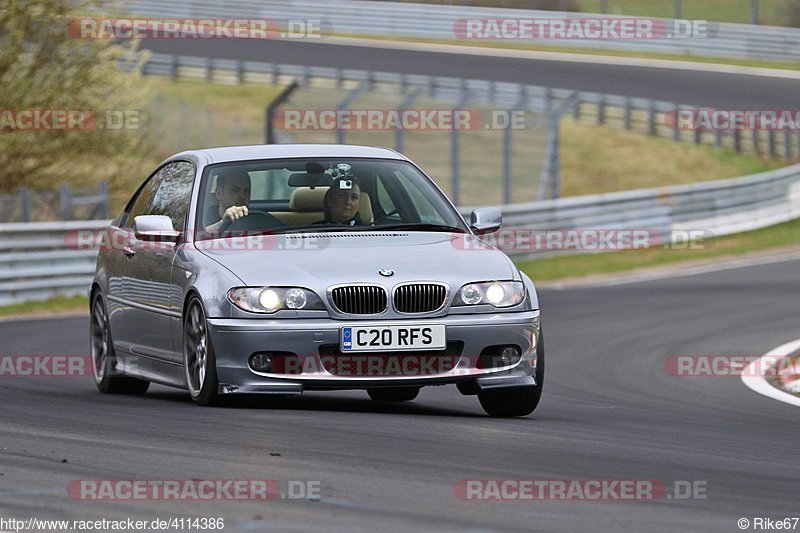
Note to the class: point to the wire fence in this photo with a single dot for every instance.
(490, 165)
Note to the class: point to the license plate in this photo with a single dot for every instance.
(391, 338)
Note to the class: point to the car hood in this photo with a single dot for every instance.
(320, 260)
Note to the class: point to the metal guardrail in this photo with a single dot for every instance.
(430, 21)
(41, 260)
(66, 203)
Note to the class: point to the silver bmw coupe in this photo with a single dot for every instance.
(277, 269)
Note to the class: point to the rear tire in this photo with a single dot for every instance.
(516, 401)
(199, 363)
(104, 358)
(394, 394)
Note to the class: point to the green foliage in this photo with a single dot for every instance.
(43, 67)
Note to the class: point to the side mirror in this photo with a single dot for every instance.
(485, 220)
(155, 228)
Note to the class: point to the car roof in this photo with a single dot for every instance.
(281, 151)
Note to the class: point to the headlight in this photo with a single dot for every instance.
(496, 293)
(272, 299)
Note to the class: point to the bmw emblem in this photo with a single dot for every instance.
(386, 272)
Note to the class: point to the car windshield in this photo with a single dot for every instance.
(284, 196)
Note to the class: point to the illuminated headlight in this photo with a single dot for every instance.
(496, 293)
(272, 299)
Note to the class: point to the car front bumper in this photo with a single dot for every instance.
(235, 340)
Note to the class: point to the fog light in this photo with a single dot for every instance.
(509, 355)
(261, 362)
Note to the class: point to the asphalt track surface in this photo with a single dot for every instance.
(609, 411)
(712, 89)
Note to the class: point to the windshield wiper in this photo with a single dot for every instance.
(414, 226)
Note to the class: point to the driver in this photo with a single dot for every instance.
(233, 196)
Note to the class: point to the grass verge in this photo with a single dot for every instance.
(575, 266)
(61, 304)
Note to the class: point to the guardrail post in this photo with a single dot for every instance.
(173, 67)
(399, 132)
(771, 138)
(103, 207)
(651, 117)
(754, 134)
(698, 135)
(718, 138)
(25, 197)
(454, 155)
(678, 9)
(239, 72)
(344, 104)
(269, 134)
(797, 134)
(601, 109)
(576, 111)
(753, 11)
(209, 74)
(737, 141)
(787, 145)
(628, 112)
(64, 200)
(676, 127)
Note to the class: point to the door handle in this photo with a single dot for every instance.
(129, 252)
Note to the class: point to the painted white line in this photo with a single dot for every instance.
(678, 272)
(760, 385)
(567, 57)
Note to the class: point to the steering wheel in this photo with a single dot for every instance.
(255, 220)
(386, 216)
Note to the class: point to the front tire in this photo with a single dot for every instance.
(104, 358)
(516, 401)
(394, 394)
(199, 363)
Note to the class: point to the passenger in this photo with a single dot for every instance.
(341, 202)
(233, 197)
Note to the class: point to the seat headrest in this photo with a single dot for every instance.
(365, 209)
(305, 199)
